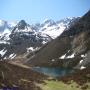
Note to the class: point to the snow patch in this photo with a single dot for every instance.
(5, 34)
(5, 58)
(81, 61)
(52, 31)
(63, 56)
(2, 52)
(83, 55)
(82, 67)
(44, 42)
(27, 29)
(53, 60)
(32, 49)
(11, 56)
(4, 42)
(6, 31)
(71, 56)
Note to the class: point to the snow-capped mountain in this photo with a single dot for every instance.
(4, 25)
(70, 50)
(16, 38)
(5, 30)
(48, 27)
(52, 28)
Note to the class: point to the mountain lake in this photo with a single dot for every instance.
(53, 72)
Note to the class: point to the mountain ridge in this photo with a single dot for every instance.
(22, 35)
(70, 50)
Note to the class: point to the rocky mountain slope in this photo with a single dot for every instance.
(19, 38)
(70, 49)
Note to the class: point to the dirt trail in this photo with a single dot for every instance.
(19, 64)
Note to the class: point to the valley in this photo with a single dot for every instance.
(53, 55)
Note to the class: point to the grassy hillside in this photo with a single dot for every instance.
(16, 76)
(58, 85)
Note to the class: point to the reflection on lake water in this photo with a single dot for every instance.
(54, 72)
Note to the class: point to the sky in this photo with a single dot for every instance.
(34, 11)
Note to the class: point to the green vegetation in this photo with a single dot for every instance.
(58, 85)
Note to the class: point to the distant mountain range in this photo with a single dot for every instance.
(19, 38)
(64, 43)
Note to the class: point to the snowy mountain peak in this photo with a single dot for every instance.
(54, 29)
(48, 27)
(49, 21)
(17, 37)
(22, 24)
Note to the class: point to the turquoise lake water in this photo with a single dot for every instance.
(54, 72)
